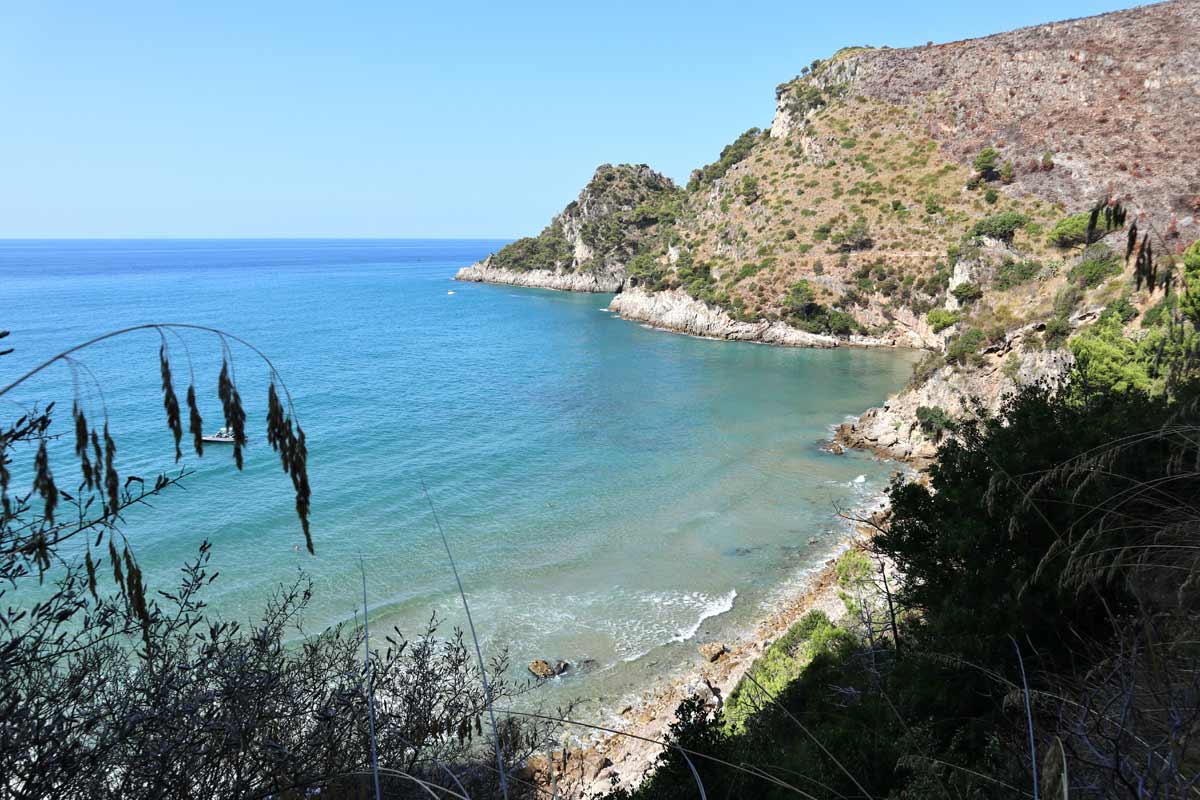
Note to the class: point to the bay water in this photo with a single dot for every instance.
(612, 493)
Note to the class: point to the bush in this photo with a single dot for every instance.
(549, 250)
(985, 163)
(730, 155)
(1014, 273)
(1056, 333)
(1122, 309)
(967, 293)
(964, 348)
(855, 237)
(934, 422)
(1070, 231)
(748, 189)
(991, 196)
(645, 270)
(1097, 265)
(939, 319)
(1002, 226)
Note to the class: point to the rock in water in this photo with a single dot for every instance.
(543, 669)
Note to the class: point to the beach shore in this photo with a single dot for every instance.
(624, 754)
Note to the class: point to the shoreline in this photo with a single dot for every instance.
(676, 311)
(590, 766)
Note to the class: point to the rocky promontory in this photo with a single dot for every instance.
(676, 310)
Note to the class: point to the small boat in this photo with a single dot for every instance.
(450, 292)
(223, 436)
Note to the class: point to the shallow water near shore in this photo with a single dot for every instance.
(612, 494)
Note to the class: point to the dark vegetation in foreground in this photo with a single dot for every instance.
(113, 688)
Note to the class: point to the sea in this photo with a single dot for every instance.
(612, 495)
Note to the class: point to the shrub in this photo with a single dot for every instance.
(645, 270)
(985, 163)
(939, 319)
(1070, 231)
(1066, 299)
(1056, 333)
(1014, 273)
(934, 422)
(1007, 173)
(730, 155)
(748, 189)
(1097, 265)
(855, 237)
(924, 369)
(991, 196)
(964, 348)
(1000, 226)
(1122, 309)
(549, 250)
(967, 293)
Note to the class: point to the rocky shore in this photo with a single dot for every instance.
(676, 310)
(562, 280)
(641, 724)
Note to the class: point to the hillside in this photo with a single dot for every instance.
(932, 197)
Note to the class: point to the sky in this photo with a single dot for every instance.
(397, 119)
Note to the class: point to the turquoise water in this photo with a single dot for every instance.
(611, 492)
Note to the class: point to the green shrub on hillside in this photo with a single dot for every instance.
(855, 237)
(1014, 273)
(935, 422)
(1097, 265)
(967, 293)
(964, 348)
(747, 189)
(985, 163)
(805, 312)
(939, 319)
(549, 250)
(731, 154)
(1000, 226)
(644, 270)
(1072, 231)
(1113, 360)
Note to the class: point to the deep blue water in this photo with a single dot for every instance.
(606, 488)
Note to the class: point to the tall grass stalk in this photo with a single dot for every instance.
(487, 689)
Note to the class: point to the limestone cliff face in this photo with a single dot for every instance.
(676, 310)
(893, 430)
(587, 246)
(560, 279)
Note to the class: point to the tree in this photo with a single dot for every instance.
(1002, 226)
(985, 163)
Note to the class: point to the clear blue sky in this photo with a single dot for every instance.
(397, 118)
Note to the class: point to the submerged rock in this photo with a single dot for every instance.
(543, 669)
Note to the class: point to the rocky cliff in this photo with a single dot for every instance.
(932, 197)
(587, 246)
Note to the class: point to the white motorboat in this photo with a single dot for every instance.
(223, 436)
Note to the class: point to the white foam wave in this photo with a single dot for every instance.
(715, 608)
